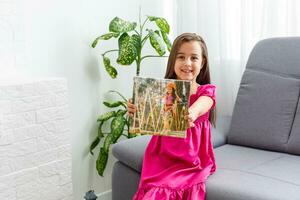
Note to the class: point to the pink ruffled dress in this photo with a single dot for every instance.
(176, 168)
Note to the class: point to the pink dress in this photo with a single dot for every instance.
(176, 168)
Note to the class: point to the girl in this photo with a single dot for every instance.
(176, 168)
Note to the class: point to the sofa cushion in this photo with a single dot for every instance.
(264, 110)
(294, 140)
(268, 95)
(252, 174)
(277, 55)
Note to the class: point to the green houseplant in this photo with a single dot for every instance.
(131, 39)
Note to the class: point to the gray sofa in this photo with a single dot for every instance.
(258, 149)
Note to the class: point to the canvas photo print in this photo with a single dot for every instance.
(161, 106)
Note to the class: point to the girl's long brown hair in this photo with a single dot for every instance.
(204, 75)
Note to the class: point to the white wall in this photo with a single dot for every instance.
(51, 38)
(35, 142)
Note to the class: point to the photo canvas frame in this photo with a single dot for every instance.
(161, 106)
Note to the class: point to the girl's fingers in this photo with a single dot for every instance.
(189, 121)
(188, 118)
(191, 124)
(130, 113)
(130, 108)
(130, 105)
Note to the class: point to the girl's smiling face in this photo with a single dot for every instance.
(188, 61)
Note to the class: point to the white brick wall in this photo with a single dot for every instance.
(35, 150)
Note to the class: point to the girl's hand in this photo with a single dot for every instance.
(130, 108)
(191, 117)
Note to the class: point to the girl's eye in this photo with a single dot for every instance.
(195, 58)
(180, 57)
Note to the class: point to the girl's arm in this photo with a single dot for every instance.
(198, 108)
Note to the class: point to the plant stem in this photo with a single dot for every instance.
(141, 27)
(151, 56)
(145, 39)
(109, 51)
(138, 65)
(144, 22)
(128, 125)
(138, 60)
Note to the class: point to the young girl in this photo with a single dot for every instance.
(176, 168)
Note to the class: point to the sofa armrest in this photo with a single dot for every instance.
(219, 134)
(131, 151)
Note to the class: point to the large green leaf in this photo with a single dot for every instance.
(114, 104)
(157, 43)
(137, 42)
(107, 142)
(121, 112)
(152, 18)
(167, 41)
(101, 161)
(110, 69)
(106, 116)
(100, 133)
(114, 91)
(106, 36)
(127, 49)
(122, 38)
(117, 127)
(161, 23)
(94, 144)
(119, 25)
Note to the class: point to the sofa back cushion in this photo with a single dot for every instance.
(267, 99)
